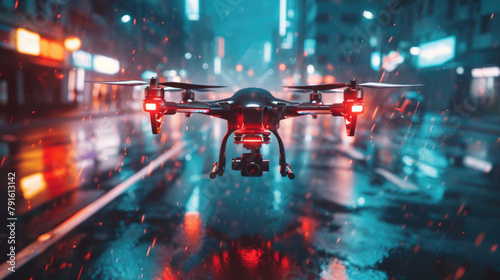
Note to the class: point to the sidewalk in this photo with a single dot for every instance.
(55, 117)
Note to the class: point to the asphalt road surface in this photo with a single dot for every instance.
(396, 202)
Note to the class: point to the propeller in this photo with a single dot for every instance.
(189, 86)
(121, 83)
(384, 85)
(318, 87)
(153, 81)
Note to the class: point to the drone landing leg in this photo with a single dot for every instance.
(218, 167)
(285, 169)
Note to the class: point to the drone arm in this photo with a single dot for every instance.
(300, 109)
(193, 107)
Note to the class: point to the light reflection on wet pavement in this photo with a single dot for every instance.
(389, 206)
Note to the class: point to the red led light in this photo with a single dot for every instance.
(150, 106)
(357, 108)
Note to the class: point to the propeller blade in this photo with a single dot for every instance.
(334, 91)
(121, 83)
(188, 86)
(384, 85)
(319, 87)
(173, 89)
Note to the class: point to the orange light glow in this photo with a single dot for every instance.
(282, 67)
(239, 67)
(221, 47)
(52, 50)
(192, 223)
(72, 43)
(32, 185)
(27, 42)
(314, 79)
(329, 79)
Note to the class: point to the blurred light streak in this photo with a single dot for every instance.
(375, 60)
(486, 72)
(282, 22)
(27, 42)
(193, 203)
(217, 65)
(50, 49)
(126, 18)
(329, 79)
(437, 52)
(32, 185)
(267, 52)
(368, 14)
(82, 59)
(310, 69)
(106, 65)
(414, 50)
(80, 79)
(478, 164)
(72, 43)
(193, 9)
(148, 74)
(221, 47)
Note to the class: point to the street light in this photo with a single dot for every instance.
(126, 18)
(415, 50)
(368, 14)
(72, 43)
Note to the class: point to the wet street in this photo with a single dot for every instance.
(395, 202)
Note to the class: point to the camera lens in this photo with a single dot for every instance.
(253, 168)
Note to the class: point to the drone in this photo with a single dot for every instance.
(252, 114)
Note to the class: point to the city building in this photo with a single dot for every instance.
(49, 48)
(457, 58)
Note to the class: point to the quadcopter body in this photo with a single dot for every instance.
(252, 115)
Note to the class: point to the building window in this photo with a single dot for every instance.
(485, 23)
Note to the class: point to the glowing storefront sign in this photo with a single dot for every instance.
(437, 53)
(82, 59)
(487, 72)
(106, 65)
(27, 42)
(193, 9)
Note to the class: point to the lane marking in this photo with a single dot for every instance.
(48, 239)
